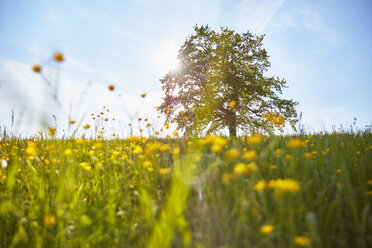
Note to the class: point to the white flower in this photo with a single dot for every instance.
(4, 164)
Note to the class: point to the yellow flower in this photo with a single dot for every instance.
(59, 57)
(267, 229)
(50, 220)
(147, 163)
(111, 87)
(240, 168)
(273, 167)
(51, 131)
(68, 152)
(284, 185)
(260, 185)
(216, 148)
(301, 241)
(175, 133)
(164, 148)
(36, 68)
(232, 153)
(164, 171)
(232, 104)
(137, 149)
(252, 167)
(249, 155)
(254, 139)
(31, 148)
(308, 155)
(295, 143)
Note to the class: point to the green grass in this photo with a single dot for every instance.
(119, 193)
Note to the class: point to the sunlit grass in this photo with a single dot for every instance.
(308, 190)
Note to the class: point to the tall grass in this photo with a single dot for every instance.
(308, 190)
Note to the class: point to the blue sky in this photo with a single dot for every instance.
(322, 48)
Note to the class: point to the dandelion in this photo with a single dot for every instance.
(50, 220)
(284, 185)
(254, 139)
(68, 152)
(232, 153)
(301, 241)
(111, 87)
(260, 185)
(59, 57)
(249, 155)
(308, 155)
(164, 171)
(232, 104)
(36, 68)
(31, 148)
(216, 148)
(295, 143)
(240, 168)
(267, 229)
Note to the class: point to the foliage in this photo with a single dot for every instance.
(256, 191)
(221, 83)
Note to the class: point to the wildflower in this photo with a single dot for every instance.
(68, 152)
(167, 110)
(232, 153)
(164, 148)
(338, 170)
(86, 126)
(166, 125)
(111, 87)
(4, 163)
(267, 229)
(249, 155)
(137, 150)
(143, 95)
(284, 185)
(308, 155)
(175, 133)
(232, 104)
(260, 185)
(147, 163)
(288, 157)
(252, 167)
(36, 68)
(273, 167)
(216, 148)
(50, 220)
(254, 139)
(164, 171)
(302, 241)
(295, 143)
(31, 148)
(240, 168)
(72, 122)
(51, 131)
(148, 125)
(59, 57)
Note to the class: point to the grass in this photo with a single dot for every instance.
(292, 191)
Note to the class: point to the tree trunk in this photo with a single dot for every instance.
(232, 125)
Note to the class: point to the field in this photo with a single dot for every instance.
(255, 191)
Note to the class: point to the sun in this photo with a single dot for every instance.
(166, 57)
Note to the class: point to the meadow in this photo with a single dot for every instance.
(255, 191)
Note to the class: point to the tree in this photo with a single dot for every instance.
(220, 83)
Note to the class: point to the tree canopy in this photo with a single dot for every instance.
(220, 83)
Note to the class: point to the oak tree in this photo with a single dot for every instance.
(220, 83)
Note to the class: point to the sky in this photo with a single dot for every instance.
(322, 48)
